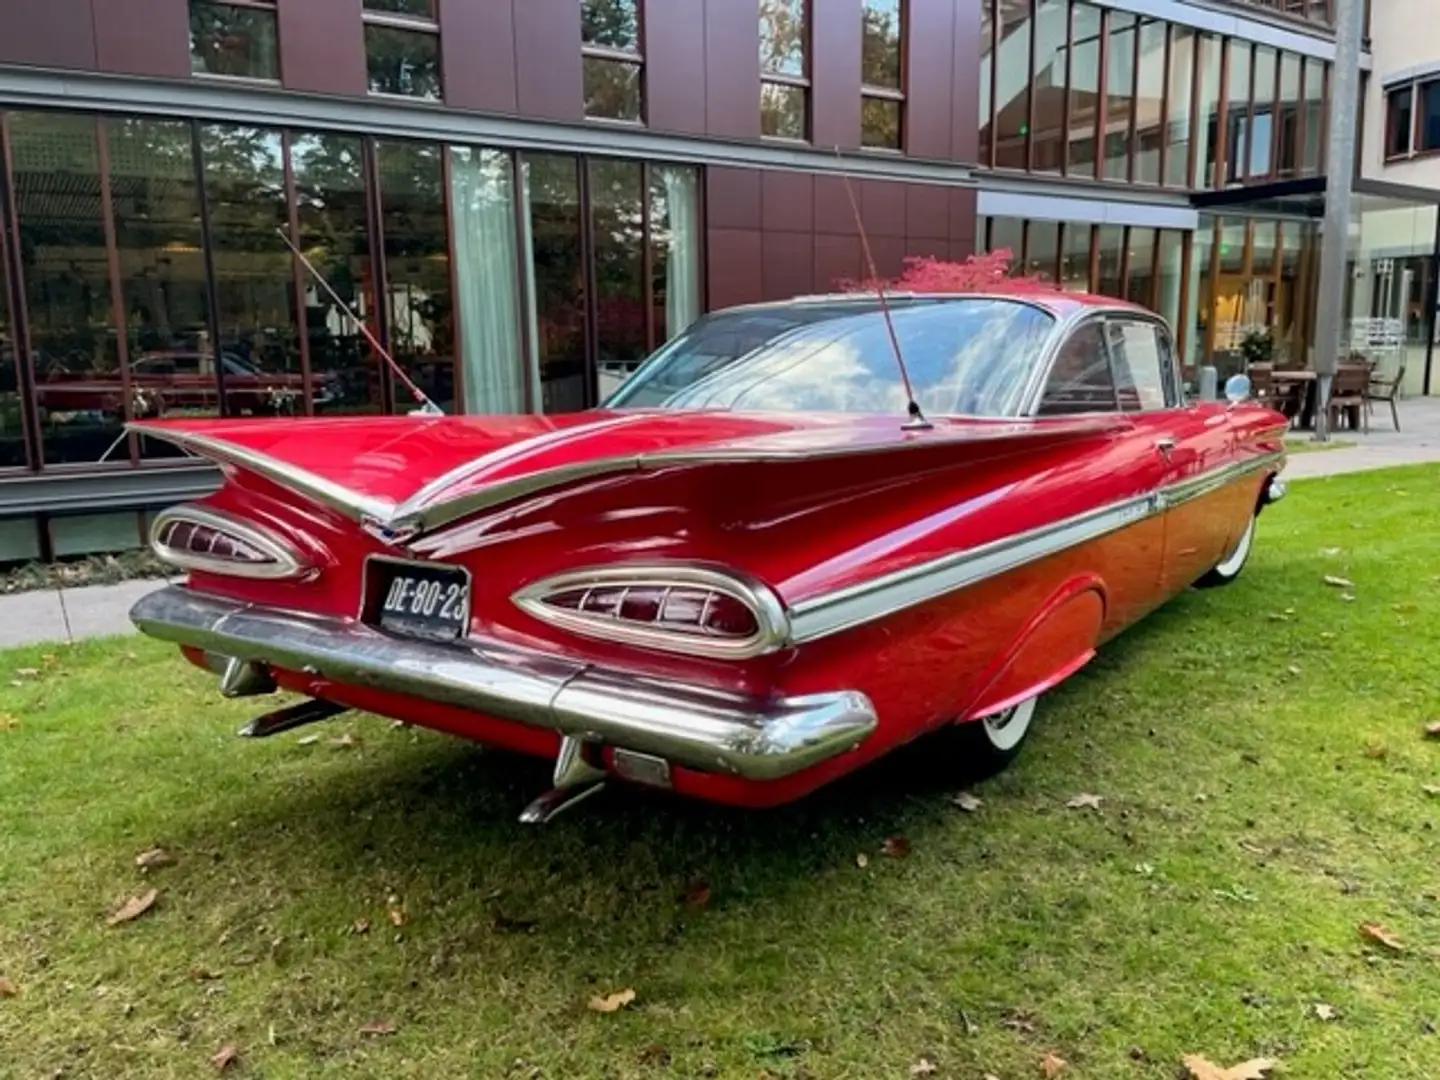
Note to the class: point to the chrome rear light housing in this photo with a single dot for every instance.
(679, 608)
(213, 542)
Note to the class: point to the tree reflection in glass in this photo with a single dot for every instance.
(617, 224)
(403, 62)
(553, 263)
(330, 203)
(12, 428)
(78, 386)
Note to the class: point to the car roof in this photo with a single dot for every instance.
(1058, 303)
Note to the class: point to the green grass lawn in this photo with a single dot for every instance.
(1258, 750)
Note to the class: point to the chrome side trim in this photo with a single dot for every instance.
(759, 738)
(842, 609)
(287, 562)
(770, 614)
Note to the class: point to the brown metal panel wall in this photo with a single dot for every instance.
(927, 212)
(734, 266)
(965, 123)
(929, 119)
(835, 73)
(47, 33)
(477, 54)
(787, 201)
(882, 203)
(322, 46)
(732, 69)
(547, 59)
(675, 75)
(143, 37)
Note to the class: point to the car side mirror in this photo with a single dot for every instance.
(1237, 389)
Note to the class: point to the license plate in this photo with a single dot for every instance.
(426, 600)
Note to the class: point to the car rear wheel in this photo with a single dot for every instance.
(1228, 569)
(988, 744)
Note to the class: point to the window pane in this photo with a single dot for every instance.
(1075, 258)
(1314, 116)
(1080, 379)
(880, 123)
(987, 62)
(1084, 89)
(616, 214)
(1112, 243)
(1008, 234)
(782, 36)
(1120, 93)
(782, 111)
(417, 270)
(557, 276)
(675, 248)
(1288, 160)
(424, 9)
(1430, 116)
(612, 23)
(1208, 111)
(1140, 276)
(1400, 123)
(1170, 268)
(1048, 89)
(1012, 96)
(612, 89)
(1198, 313)
(1288, 331)
(1139, 367)
(1262, 249)
(880, 43)
(67, 285)
(227, 40)
(1150, 102)
(1042, 249)
(12, 430)
(1238, 118)
(1262, 122)
(162, 281)
(404, 62)
(254, 271)
(330, 193)
(487, 276)
(1177, 124)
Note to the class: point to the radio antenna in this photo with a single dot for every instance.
(427, 407)
(917, 421)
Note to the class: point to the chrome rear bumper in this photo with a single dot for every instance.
(755, 738)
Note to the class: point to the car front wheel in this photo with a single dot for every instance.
(1228, 569)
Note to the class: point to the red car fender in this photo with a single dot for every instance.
(1058, 641)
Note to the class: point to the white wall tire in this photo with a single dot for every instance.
(1228, 568)
(987, 745)
(1006, 730)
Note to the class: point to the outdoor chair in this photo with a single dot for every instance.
(1386, 389)
(1348, 391)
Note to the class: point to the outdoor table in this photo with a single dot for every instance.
(1309, 389)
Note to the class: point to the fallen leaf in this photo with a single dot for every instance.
(154, 857)
(1323, 1011)
(612, 1002)
(1431, 789)
(1085, 801)
(307, 740)
(1339, 582)
(923, 1067)
(1203, 1069)
(26, 672)
(378, 1027)
(8, 722)
(223, 1057)
(397, 915)
(1377, 933)
(897, 847)
(360, 926)
(1052, 1065)
(1349, 598)
(8, 988)
(1331, 552)
(1376, 751)
(133, 908)
(968, 802)
(697, 893)
(1432, 729)
(862, 860)
(1293, 669)
(345, 742)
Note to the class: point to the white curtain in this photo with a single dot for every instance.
(682, 262)
(487, 275)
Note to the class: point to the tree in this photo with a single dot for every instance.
(990, 272)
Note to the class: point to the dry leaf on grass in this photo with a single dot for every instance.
(307, 740)
(697, 893)
(1432, 729)
(1052, 1065)
(1323, 1011)
(360, 926)
(397, 915)
(1430, 789)
(1339, 582)
(223, 1057)
(1085, 801)
(611, 1002)
(345, 742)
(1203, 1069)
(923, 1067)
(378, 1027)
(1373, 931)
(968, 802)
(26, 672)
(8, 722)
(862, 860)
(132, 908)
(897, 847)
(8, 988)
(154, 857)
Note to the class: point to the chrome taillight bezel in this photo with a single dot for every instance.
(771, 619)
(285, 560)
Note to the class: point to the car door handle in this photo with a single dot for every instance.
(1165, 446)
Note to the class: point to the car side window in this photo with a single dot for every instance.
(1139, 364)
(1080, 379)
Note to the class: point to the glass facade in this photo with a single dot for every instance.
(1070, 87)
(152, 263)
(402, 48)
(784, 69)
(611, 54)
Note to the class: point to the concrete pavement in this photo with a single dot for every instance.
(99, 610)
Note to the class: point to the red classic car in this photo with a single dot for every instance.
(748, 573)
